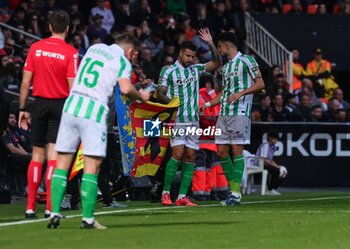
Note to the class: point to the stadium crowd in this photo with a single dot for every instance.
(162, 26)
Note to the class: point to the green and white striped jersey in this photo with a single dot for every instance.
(100, 69)
(183, 83)
(238, 74)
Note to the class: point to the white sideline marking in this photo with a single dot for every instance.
(22, 222)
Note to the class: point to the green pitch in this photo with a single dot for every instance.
(294, 220)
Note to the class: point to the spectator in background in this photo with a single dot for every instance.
(317, 114)
(168, 60)
(18, 146)
(341, 116)
(18, 17)
(264, 111)
(76, 42)
(302, 112)
(184, 24)
(108, 18)
(148, 66)
(9, 77)
(279, 113)
(81, 31)
(95, 29)
(221, 21)
(145, 13)
(4, 110)
(124, 16)
(322, 9)
(73, 9)
(278, 172)
(239, 22)
(16, 140)
(280, 86)
(291, 102)
(75, 21)
(345, 8)
(333, 107)
(155, 43)
(339, 95)
(176, 6)
(201, 19)
(320, 71)
(168, 51)
(296, 7)
(298, 70)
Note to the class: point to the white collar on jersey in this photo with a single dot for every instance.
(177, 63)
(236, 56)
(116, 47)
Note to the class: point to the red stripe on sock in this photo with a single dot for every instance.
(33, 177)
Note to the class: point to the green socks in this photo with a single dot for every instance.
(227, 167)
(186, 177)
(58, 188)
(233, 172)
(238, 169)
(170, 173)
(88, 194)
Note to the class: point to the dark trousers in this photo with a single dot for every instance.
(275, 180)
(108, 164)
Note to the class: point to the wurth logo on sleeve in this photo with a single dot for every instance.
(40, 52)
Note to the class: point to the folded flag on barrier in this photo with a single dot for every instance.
(151, 144)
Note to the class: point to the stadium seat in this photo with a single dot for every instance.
(312, 8)
(336, 9)
(254, 165)
(286, 7)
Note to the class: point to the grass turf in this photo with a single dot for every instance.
(311, 220)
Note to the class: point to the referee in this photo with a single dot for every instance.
(51, 66)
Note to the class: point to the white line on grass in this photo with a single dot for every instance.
(22, 222)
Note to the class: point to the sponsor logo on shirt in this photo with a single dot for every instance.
(186, 81)
(40, 52)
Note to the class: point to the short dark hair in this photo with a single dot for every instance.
(272, 134)
(59, 21)
(188, 45)
(229, 37)
(315, 107)
(128, 39)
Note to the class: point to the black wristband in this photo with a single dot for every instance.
(22, 109)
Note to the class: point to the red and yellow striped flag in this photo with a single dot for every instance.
(78, 164)
(150, 151)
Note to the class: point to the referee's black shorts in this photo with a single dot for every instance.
(46, 116)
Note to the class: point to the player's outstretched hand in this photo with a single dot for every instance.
(205, 35)
(22, 121)
(144, 95)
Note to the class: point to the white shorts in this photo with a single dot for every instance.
(234, 130)
(74, 130)
(190, 141)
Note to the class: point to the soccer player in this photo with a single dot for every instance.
(241, 78)
(84, 119)
(51, 65)
(182, 79)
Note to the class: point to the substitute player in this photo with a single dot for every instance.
(84, 119)
(241, 78)
(51, 65)
(182, 79)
